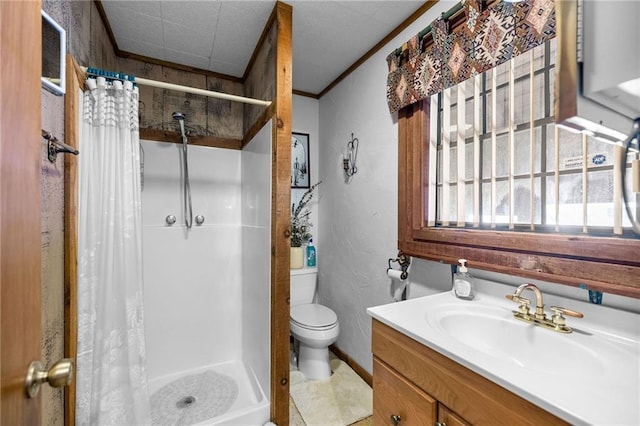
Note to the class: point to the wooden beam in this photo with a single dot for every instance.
(159, 135)
(280, 217)
(72, 138)
(259, 124)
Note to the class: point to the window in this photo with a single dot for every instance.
(502, 227)
(502, 163)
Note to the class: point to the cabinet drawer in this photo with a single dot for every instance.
(395, 396)
(449, 418)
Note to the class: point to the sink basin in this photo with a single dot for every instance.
(562, 373)
(494, 331)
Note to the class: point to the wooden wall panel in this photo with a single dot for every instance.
(150, 107)
(225, 118)
(193, 106)
(260, 80)
(206, 117)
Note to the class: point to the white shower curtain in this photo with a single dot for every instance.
(111, 386)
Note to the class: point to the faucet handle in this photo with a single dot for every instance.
(524, 304)
(558, 310)
(518, 299)
(559, 321)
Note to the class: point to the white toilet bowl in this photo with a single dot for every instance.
(314, 327)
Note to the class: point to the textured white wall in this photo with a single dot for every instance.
(358, 220)
(306, 120)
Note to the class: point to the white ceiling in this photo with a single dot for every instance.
(220, 36)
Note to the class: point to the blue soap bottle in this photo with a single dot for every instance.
(311, 254)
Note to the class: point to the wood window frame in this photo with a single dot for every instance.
(606, 264)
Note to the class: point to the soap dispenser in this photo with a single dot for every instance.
(311, 254)
(463, 286)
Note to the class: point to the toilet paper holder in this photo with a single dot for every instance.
(403, 261)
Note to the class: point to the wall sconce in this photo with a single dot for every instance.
(349, 158)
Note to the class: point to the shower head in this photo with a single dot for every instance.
(180, 117)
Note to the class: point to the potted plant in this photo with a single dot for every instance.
(300, 227)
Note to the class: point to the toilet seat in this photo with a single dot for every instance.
(313, 316)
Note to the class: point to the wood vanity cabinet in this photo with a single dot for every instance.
(422, 387)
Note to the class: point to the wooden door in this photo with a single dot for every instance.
(20, 242)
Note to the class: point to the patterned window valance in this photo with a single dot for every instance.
(486, 39)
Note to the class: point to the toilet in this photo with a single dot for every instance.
(313, 326)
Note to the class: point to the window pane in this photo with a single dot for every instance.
(633, 199)
(570, 150)
(522, 152)
(600, 198)
(550, 204)
(486, 158)
(502, 200)
(453, 128)
(439, 168)
(600, 153)
(486, 203)
(453, 204)
(453, 164)
(502, 72)
(468, 161)
(539, 92)
(571, 199)
(502, 155)
(522, 99)
(521, 65)
(523, 198)
(468, 214)
(551, 147)
(438, 203)
(502, 109)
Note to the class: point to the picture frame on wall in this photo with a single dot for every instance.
(300, 173)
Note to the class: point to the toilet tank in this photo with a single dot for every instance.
(303, 285)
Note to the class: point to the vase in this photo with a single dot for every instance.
(297, 257)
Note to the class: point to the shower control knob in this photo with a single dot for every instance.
(171, 219)
(199, 219)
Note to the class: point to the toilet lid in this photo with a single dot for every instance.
(313, 315)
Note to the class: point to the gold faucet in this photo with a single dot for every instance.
(557, 321)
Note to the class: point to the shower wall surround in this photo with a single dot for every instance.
(256, 258)
(192, 277)
(207, 288)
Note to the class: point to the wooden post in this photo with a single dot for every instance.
(280, 217)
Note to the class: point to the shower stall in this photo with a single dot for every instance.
(207, 282)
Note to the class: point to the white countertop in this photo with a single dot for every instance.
(591, 376)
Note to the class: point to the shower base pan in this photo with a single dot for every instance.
(226, 393)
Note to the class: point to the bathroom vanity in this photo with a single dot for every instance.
(421, 386)
(440, 360)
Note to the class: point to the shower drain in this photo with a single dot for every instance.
(185, 402)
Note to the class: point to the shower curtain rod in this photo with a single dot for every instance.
(195, 91)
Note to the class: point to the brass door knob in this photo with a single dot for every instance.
(395, 419)
(60, 374)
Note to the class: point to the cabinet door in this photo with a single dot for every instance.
(447, 417)
(396, 401)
